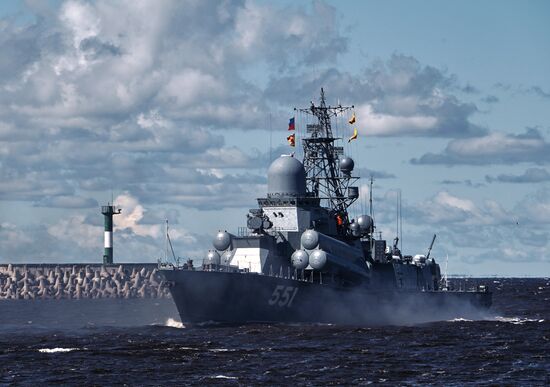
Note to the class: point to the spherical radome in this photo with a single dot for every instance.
(286, 177)
(346, 165)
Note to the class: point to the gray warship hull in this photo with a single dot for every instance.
(303, 258)
(233, 297)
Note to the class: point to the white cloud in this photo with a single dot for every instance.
(493, 148)
(76, 230)
(379, 124)
(447, 209)
(494, 144)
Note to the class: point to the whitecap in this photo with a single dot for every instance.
(224, 377)
(460, 319)
(515, 320)
(56, 350)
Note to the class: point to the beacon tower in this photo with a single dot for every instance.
(108, 211)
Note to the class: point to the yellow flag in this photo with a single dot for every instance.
(352, 119)
(291, 140)
(354, 135)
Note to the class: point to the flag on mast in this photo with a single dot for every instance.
(291, 125)
(354, 136)
(352, 119)
(291, 140)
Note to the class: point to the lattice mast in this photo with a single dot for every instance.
(321, 159)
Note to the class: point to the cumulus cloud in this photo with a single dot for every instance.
(138, 235)
(531, 175)
(534, 208)
(118, 101)
(493, 148)
(446, 208)
(76, 230)
(141, 102)
(397, 97)
(471, 231)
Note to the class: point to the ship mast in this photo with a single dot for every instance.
(321, 156)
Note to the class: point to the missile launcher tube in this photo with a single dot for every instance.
(300, 259)
(312, 239)
(327, 262)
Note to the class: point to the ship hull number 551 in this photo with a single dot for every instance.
(283, 296)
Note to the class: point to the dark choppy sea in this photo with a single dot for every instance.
(143, 343)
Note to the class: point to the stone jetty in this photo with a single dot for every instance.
(79, 281)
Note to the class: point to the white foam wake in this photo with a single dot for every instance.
(173, 323)
(510, 320)
(56, 350)
(224, 377)
(516, 320)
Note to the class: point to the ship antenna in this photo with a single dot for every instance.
(397, 214)
(324, 180)
(446, 278)
(431, 246)
(169, 244)
(401, 219)
(166, 241)
(371, 212)
(270, 140)
(398, 220)
(370, 197)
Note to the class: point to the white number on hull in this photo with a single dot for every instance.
(283, 296)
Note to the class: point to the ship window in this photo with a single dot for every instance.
(275, 214)
(281, 214)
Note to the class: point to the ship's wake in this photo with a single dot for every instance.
(174, 323)
(503, 319)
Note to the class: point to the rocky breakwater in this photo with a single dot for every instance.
(31, 282)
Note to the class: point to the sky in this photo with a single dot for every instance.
(175, 109)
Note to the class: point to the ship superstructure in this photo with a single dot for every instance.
(302, 257)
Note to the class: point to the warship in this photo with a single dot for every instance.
(303, 258)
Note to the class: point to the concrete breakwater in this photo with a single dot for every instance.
(79, 281)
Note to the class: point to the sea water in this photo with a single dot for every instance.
(143, 342)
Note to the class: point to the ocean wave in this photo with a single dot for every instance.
(510, 320)
(224, 377)
(516, 320)
(56, 350)
(173, 323)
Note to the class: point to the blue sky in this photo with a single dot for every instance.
(165, 106)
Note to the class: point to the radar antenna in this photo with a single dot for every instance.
(321, 156)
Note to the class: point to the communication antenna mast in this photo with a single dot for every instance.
(270, 140)
(401, 219)
(445, 278)
(371, 213)
(321, 157)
